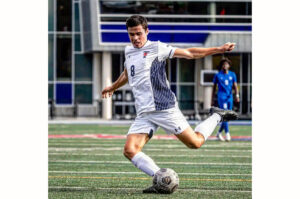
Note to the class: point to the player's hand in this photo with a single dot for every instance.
(237, 99)
(107, 92)
(228, 47)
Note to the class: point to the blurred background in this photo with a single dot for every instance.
(86, 41)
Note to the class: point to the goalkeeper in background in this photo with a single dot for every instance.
(226, 81)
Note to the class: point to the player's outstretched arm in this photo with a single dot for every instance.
(196, 53)
(121, 81)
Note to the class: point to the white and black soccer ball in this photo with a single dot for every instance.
(166, 181)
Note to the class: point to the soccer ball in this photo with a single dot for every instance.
(166, 181)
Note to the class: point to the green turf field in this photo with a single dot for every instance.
(96, 168)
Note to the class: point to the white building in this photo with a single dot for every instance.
(87, 40)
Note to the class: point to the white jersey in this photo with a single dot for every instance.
(147, 76)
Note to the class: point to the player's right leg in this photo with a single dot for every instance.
(138, 135)
(133, 151)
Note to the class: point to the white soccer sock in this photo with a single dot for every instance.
(145, 163)
(207, 127)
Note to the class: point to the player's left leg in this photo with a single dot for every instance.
(195, 138)
(173, 122)
(206, 128)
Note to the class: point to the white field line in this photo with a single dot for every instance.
(129, 173)
(149, 146)
(161, 141)
(176, 143)
(127, 162)
(125, 188)
(145, 149)
(179, 155)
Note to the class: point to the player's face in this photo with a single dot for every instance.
(225, 66)
(137, 36)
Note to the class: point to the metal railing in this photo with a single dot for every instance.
(196, 113)
(75, 108)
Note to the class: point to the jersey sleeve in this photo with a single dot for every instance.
(165, 51)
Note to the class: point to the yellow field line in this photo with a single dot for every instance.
(139, 178)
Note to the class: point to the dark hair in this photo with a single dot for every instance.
(223, 60)
(136, 20)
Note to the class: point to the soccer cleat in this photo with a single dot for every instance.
(227, 138)
(151, 189)
(220, 137)
(226, 115)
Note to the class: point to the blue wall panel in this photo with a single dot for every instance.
(64, 93)
(180, 36)
(163, 37)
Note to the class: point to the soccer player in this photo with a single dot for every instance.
(155, 103)
(226, 81)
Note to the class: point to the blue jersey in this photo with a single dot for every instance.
(225, 84)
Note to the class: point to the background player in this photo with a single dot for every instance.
(226, 81)
(155, 103)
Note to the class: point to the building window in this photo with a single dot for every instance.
(50, 15)
(50, 57)
(70, 71)
(83, 93)
(77, 19)
(182, 76)
(64, 57)
(117, 65)
(233, 8)
(64, 15)
(186, 70)
(83, 67)
(50, 91)
(123, 99)
(154, 7)
(186, 97)
(185, 8)
(186, 84)
(77, 43)
(173, 70)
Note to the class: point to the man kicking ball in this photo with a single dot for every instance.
(155, 103)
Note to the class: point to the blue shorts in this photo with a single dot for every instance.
(225, 103)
